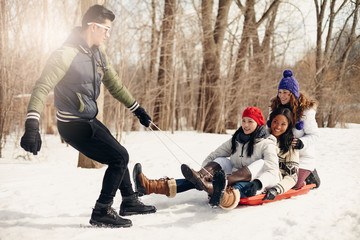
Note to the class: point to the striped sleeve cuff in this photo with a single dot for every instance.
(134, 106)
(33, 115)
(279, 188)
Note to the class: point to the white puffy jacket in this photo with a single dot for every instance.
(309, 135)
(265, 149)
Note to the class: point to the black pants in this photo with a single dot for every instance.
(95, 141)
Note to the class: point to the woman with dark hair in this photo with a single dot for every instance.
(281, 123)
(249, 157)
(305, 130)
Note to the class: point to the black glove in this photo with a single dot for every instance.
(31, 140)
(142, 116)
(251, 188)
(271, 194)
(299, 144)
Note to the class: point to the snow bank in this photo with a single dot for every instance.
(48, 197)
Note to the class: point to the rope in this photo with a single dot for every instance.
(165, 145)
(188, 155)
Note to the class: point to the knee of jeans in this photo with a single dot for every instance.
(120, 161)
(225, 164)
(126, 158)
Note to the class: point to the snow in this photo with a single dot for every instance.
(48, 197)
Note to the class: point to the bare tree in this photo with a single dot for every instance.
(17, 75)
(83, 161)
(162, 110)
(210, 104)
(344, 70)
(3, 75)
(188, 55)
(211, 67)
(151, 77)
(253, 60)
(328, 57)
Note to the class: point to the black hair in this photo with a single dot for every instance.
(251, 142)
(286, 138)
(97, 14)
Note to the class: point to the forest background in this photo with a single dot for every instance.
(192, 64)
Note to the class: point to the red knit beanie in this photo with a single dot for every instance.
(255, 114)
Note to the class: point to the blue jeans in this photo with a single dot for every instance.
(183, 185)
(240, 186)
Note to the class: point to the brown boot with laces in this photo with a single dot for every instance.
(201, 179)
(145, 186)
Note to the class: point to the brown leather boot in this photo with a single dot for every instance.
(241, 175)
(203, 178)
(145, 186)
(230, 199)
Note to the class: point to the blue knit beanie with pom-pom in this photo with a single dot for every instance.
(288, 82)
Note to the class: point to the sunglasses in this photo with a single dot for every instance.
(102, 26)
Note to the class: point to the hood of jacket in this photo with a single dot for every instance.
(76, 38)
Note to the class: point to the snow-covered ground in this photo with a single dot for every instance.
(48, 197)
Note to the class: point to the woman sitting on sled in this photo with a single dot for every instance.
(305, 129)
(249, 157)
(281, 123)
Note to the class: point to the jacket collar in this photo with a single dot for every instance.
(75, 38)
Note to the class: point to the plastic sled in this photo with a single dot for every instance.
(257, 199)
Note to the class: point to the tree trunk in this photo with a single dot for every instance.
(320, 11)
(210, 104)
(326, 59)
(162, 109)
(151, 76)
(83, 161)
(243, 83)
(5, 97)
(237, 89)
(2, 68)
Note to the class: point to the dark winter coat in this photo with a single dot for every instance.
(76, 73)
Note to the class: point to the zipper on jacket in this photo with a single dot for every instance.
(242, 150)
(93, 60)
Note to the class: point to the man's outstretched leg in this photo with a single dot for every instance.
(131, 203)
(104, 215)
(95, 141)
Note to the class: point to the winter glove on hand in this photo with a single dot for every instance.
(142, 116)
(251, 188)
(271, 194)
(297, 143)
(31, 140)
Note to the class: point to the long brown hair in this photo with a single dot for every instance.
(297, 107)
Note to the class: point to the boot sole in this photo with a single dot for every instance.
(313, 178)
(129, 213)
(105, 225)
(138, 187)
(188, 174)
(219, 184)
